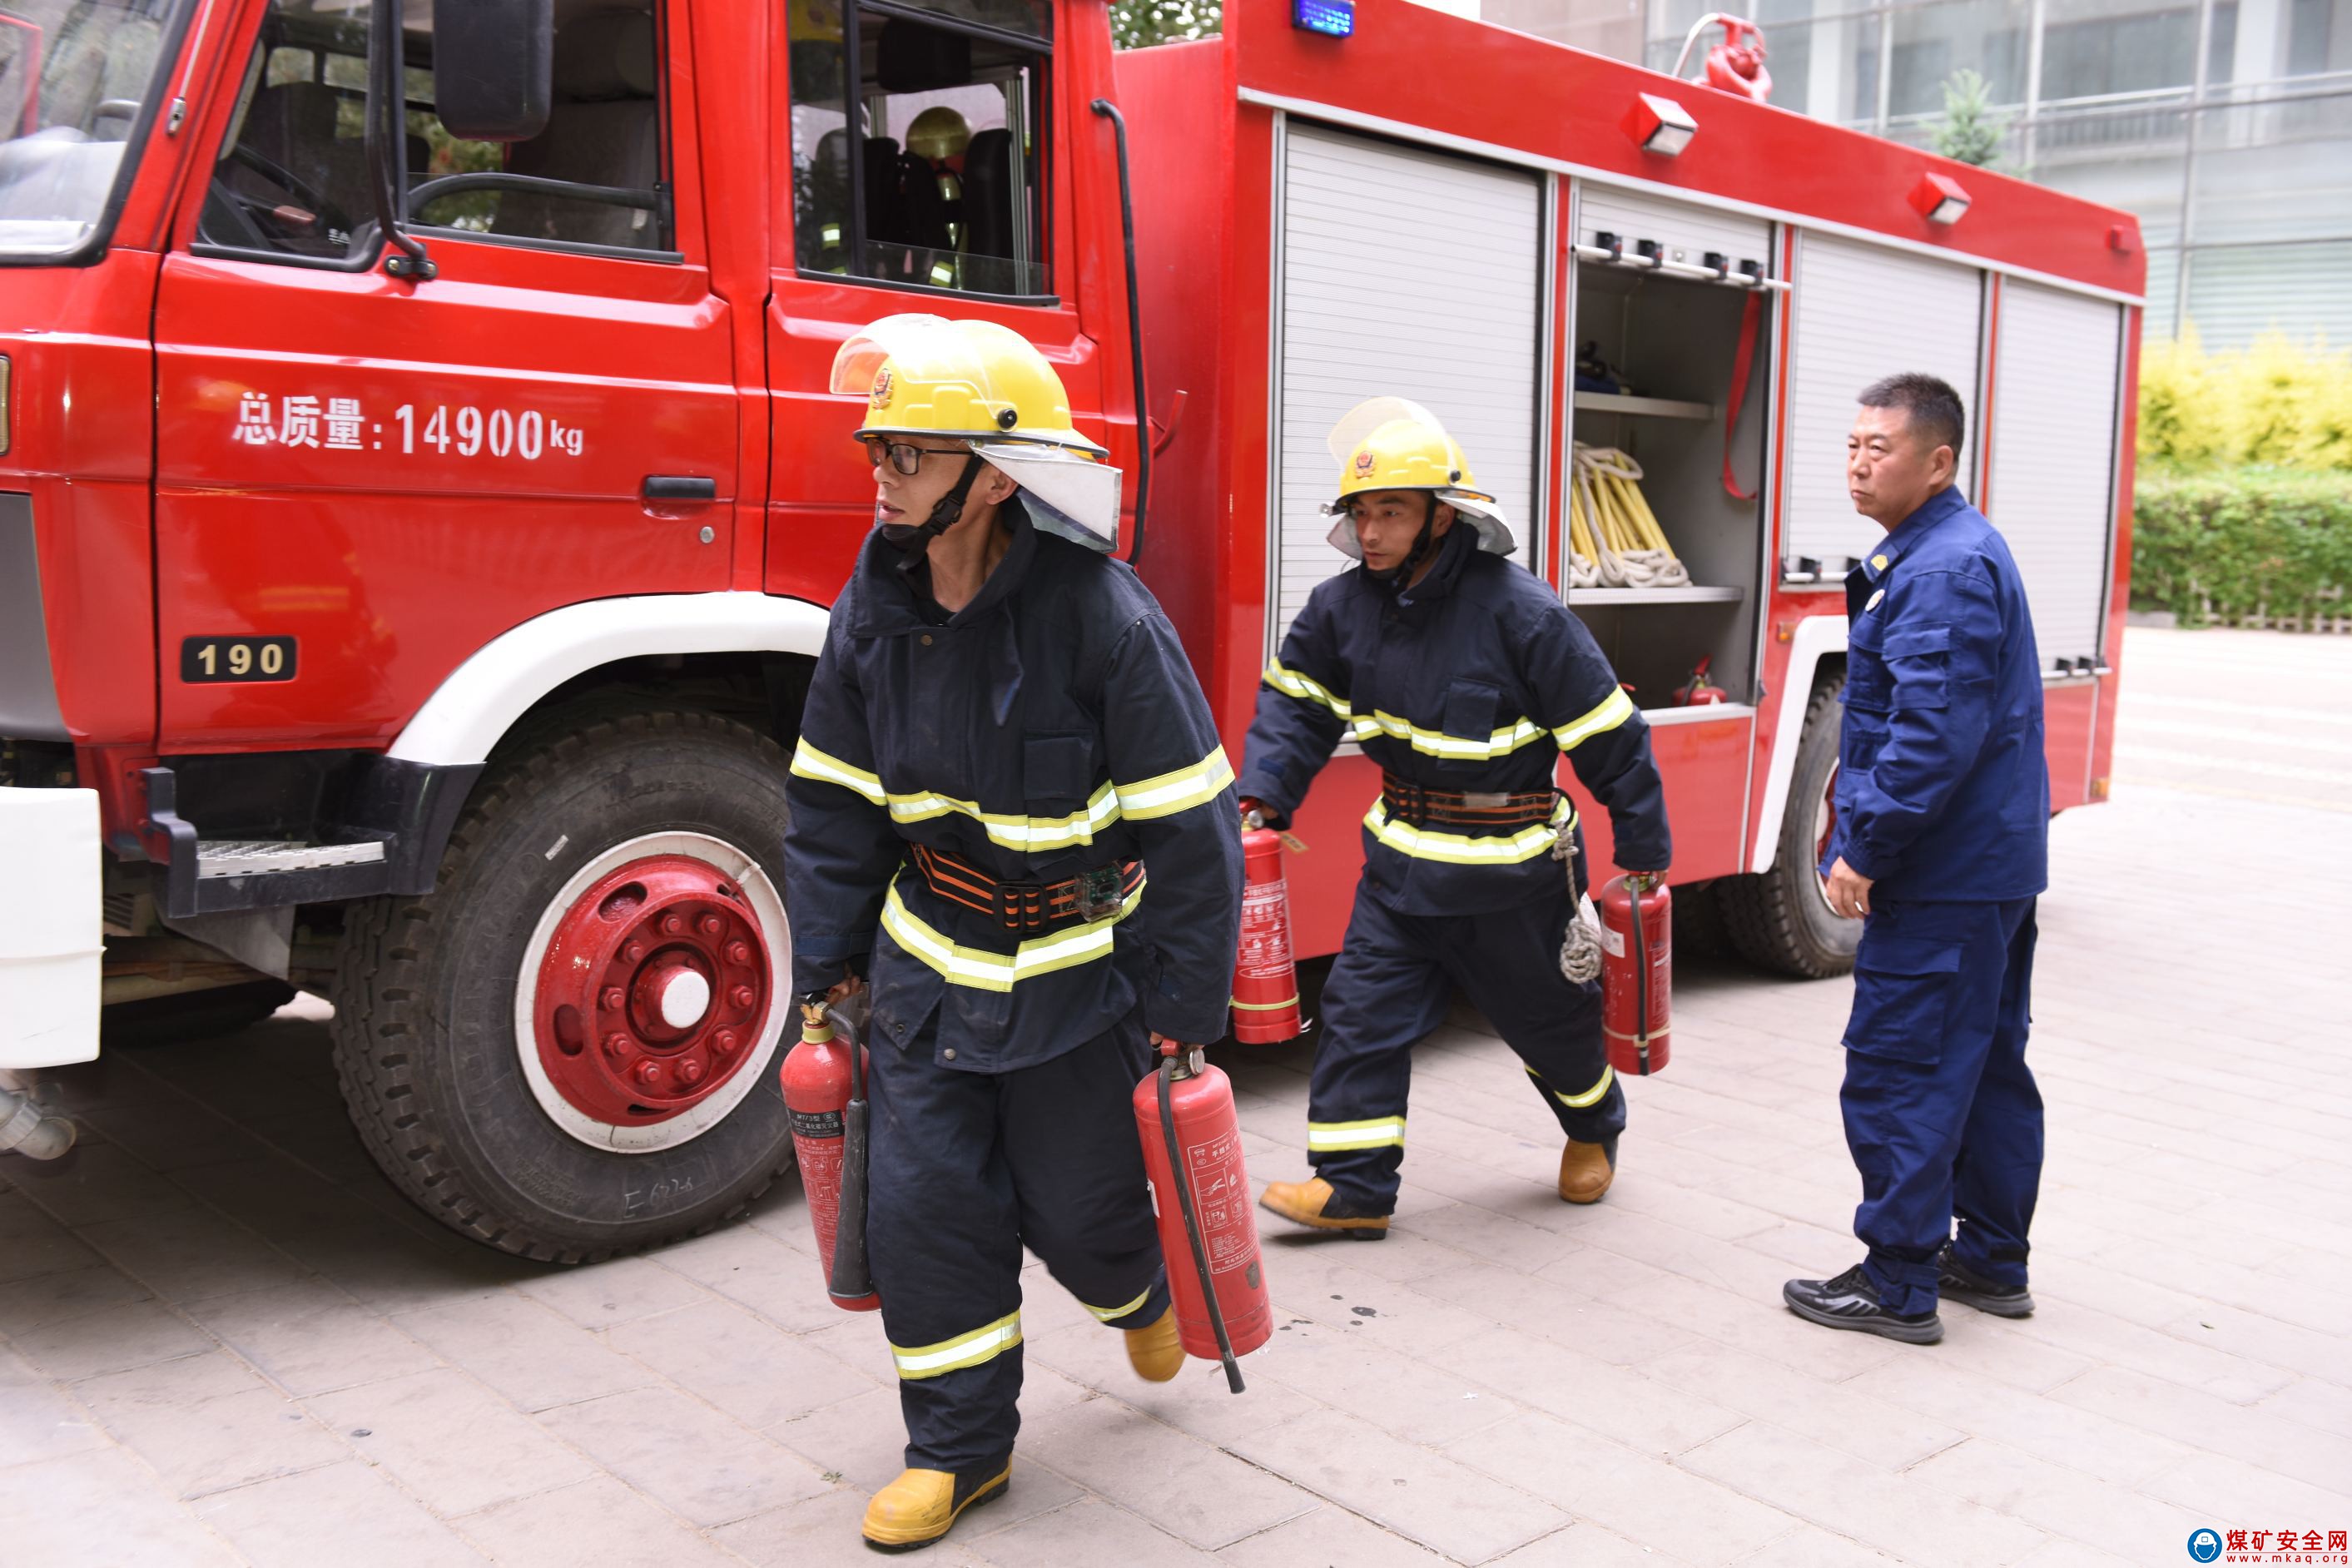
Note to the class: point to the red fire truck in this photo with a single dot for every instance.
(419, 499)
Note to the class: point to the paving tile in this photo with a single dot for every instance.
(31, 1243)
(2326, 1406)
(1381, 1312)
(684, 1454)
(1810, 1546)
(618, 1290)
(97, 1182)
(207, 1423)
(1178, 1483)
(1952, 1390)
(36, 1421)
(407, 1426)
(277, 1196)
(2061, 1553)
(346, 1514)
(1846, 1496)
(2204, 1421)
(750, 1267)
(2224, 1488)
(192, 1254)
(745, 1365)
(172, 1135)
(1329, 1538)
(1645, 1500)
(2105, 1339)
(823, 1532)
(1584, 1545)
(1652, 1416)
(111, 1339)
(1835, 1413)
(1761, 1325)
(29, 1304)
(2060, 1501)
(51, 1506)
(1089, 1533)
(1195, 1401)
(1445, 1505)
(1405, 1397)
(527, 1352)
(390, 1267)
(309, 1338)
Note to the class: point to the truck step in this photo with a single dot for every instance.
(265, 856)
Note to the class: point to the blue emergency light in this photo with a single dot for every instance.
(1333, 18)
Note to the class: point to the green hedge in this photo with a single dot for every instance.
(2225, 545)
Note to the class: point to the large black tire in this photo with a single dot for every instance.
(426, 1033)
(189, 1015)
(1778, 919)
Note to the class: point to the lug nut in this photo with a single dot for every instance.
(615, 999)
(743, 996)
(689, 1071)
(672, 925)
(616, 1046)
(738, 953)
(711, 925)
(635, 953)
(724, 1040)
(648, 1073)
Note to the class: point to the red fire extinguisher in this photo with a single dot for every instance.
(1637, 971)
(1192, 1149)
(825, 1096)
(1266, 980)
(1698, 691)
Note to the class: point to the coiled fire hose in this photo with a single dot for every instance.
(1614, 539)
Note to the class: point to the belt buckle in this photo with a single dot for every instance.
(1410, 801)
(1485, 800)
(1098, 893)
(1021, 905)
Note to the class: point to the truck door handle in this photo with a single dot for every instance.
(679, 487)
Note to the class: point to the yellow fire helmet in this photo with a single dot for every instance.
(1394, 444)
(987, 385)
(938, 134)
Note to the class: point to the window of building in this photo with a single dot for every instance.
(943, 186)
(292, 178)
(2094, 47)
(1931, 42)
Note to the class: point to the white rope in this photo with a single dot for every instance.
(1644, 568)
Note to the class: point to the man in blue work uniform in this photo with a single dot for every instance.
(1940, 845)
(1000, 732)
(1463, 676)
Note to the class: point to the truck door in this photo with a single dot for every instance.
(362, 479)
(932, 177)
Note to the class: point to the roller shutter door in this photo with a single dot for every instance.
(1860, 313)
(2053, 456)
(1407, 273)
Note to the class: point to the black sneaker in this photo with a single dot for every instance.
(1955, 1281)
(1849, 1302)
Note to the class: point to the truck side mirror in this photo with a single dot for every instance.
(493, 69)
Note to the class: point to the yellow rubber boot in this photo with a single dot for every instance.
(1586, 1170)
(921, 1506)
(1155, 1353)
(1310, 1203)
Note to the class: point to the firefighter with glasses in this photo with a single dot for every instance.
(1463, 676)
(1013, 824)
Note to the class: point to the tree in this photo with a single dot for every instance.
(1968, 132)
(1137, 24)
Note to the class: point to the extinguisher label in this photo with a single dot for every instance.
(1222, 1198)
(1265, 930)
(816, 1124)
(1612, 942)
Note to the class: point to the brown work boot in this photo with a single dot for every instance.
(1154, 1351)
(921, 1506)
(1313, 1204)
(1586, 1170)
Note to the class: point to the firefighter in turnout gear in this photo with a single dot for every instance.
(1012, 818)
(1463, 676)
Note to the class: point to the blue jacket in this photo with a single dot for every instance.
(1051, 726)
(1474, 681)
(1943, 787)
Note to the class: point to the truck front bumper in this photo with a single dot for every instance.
(52, 926)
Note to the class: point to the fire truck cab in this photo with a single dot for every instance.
(420, 499)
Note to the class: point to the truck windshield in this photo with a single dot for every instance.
(74, 76)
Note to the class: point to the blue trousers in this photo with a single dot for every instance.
(1390, 986)
(1941, 1111)
(965, 1169)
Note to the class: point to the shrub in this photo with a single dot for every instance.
(2227, 543)
(2276, 404)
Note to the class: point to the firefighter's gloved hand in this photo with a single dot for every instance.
(845, 990)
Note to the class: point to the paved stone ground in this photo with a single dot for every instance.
(226, 1341)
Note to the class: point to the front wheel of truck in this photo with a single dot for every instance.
(567, 1051)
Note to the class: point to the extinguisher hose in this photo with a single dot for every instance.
(1641, 976)
(1183, 1185)
(852, 1278)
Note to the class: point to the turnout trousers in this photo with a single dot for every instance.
(965, 1169)
(1941, 1111)
(1389, 988)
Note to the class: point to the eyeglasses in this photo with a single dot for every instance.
(903, 456)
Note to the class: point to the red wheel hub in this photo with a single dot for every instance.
(653, 991)
(1827, 818)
